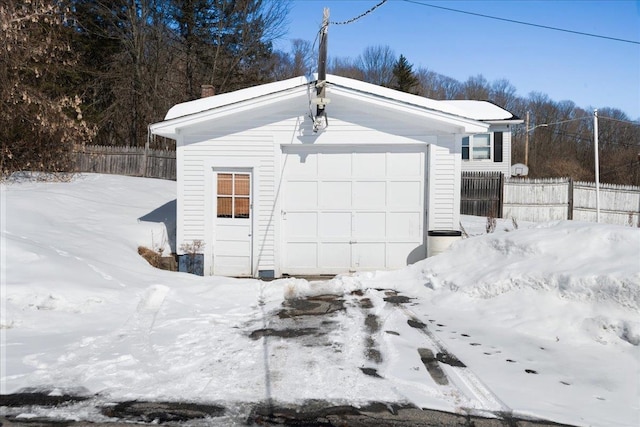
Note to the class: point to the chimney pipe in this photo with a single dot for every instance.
(207, 90)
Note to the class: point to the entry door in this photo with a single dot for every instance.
(233, 223)
(348, 209)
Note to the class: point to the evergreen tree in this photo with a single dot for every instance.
(403, 77)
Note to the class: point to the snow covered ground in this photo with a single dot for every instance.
(546, 317)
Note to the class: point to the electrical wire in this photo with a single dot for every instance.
(582, 118)
(513, 21)
(630, 122)
(349, 21)
(557, 123)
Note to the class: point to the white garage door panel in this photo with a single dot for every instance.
(369, 255)
(347, 211)
(403, 225)
(369, 165)
(303, 194)
(303, 256)
(335, 256)
(335, 194)
(301, 225)
(369, 226)
(404, 164)
(369, 194)
(335, 225)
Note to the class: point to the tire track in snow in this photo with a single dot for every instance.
(460, 377)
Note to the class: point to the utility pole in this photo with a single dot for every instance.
(526, 140)
(322, 72)
(597, 166)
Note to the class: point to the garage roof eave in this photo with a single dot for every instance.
(165, 129)
(505, 122)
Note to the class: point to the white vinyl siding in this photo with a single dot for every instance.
(444, 189)
(229, 151)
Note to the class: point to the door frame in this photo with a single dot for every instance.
(212, 168)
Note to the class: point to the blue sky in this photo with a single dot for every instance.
(592, 72)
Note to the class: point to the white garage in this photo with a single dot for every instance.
(264, 188)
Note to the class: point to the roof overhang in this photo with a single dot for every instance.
(404, 103)
(505, 122)
(451, 116)
(187, 114)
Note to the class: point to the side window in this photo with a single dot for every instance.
(234, 195)
(477, 147)
(482, 147)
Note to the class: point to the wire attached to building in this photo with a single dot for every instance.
(362, 15)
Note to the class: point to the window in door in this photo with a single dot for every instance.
(234, 195)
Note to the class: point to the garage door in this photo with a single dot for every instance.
(346, 210)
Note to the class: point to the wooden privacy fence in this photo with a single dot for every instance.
(537, 199)
(619, 204)
(549, 199)
(481, 194)
(132, 161)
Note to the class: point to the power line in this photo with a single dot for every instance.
(523, 23)
(629, 122)
(349, 21)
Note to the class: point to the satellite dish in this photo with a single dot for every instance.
(519, 169)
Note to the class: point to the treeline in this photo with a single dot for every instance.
(94, 71)
(561, 135)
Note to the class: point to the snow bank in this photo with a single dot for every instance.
(577, 261)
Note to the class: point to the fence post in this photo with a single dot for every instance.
(570, 207)
(501, 195)
(145, 156)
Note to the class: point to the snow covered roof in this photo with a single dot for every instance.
(475, 115)
(482, 110)
(211, 102)
(476, 110)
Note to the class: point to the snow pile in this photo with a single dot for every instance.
(546, 315)
(595, 264)
(578, 261)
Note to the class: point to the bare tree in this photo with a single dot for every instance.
(376, 63)
(303, 57)
(451, 88)
(476, 87)
(345, 67)
(39, 121)
(503, 93)
(298, 62)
